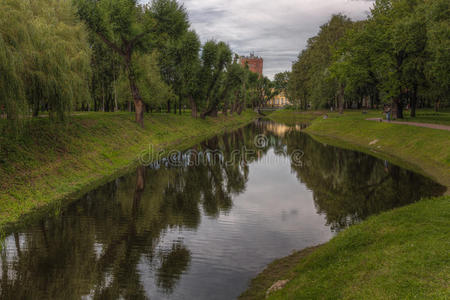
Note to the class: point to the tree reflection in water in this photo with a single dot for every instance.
(99, 245)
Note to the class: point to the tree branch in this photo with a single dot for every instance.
(110, 44)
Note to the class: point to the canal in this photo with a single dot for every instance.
(202, 223)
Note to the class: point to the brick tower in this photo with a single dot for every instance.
(255, 63)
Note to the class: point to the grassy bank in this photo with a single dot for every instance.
(401, 254)
(424, 150)
(48, 162)
(398, 254)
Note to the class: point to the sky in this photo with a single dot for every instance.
(276, 30)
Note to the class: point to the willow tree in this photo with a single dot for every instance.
(12, 99)
(44, 58)
(129, 29)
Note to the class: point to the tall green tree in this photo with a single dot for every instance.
(180, 67)
(311, 73)
(216, 57)
(280, 82)
(106, 68)
(129, 28)
(437, 67)
(153, 89)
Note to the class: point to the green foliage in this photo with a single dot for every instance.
(399, 55)
(44, 58)
(280, 82)
(311, 80)
(215, 59)
(261, 90)
(106, 67)
(437, 69)
(180, 66)
(154, 90)
(129, 29)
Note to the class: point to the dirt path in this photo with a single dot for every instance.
(427, 125)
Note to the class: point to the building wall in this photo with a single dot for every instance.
(278, 101)
(255, 63)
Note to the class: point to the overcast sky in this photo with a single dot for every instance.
(275, 29)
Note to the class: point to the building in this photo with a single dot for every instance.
(278, 101)
(255, 63)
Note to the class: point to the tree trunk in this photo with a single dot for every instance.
(179, 107)
(414, 101)
(36, 109)
(225, 108)
(398, 108)
(138, 103)
(168, 106)
(212, 111)
(116, 108)
(436, 105)
(341, 98)
(240, 108)
(235, 103)
(193, 107)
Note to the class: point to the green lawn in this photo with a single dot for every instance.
(422, 116)
(47, 162)
(400, 254)
(429, 116)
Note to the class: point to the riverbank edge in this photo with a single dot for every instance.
(201, 130)
(286, 268)
(417, 164)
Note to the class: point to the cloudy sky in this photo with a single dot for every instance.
(275, 29)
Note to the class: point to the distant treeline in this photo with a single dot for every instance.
(399, 55)
(108, 55)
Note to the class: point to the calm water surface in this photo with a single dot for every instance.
(201, 225)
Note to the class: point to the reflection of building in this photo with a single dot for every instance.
(281, 129)
(255, 63)
(279, 100)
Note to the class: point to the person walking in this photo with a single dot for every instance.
(387, 111)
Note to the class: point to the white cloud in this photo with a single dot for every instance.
(276, 30)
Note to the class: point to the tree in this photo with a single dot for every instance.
(216, 57)
(437, 67)
(311, 78)
(129, 28)
(44, 58)
(106, 67)
(180, 67)
(153, 89)
(280, 82)
(234, 87)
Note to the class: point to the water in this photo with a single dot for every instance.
(202, 224)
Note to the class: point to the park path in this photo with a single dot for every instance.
(426, 125)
